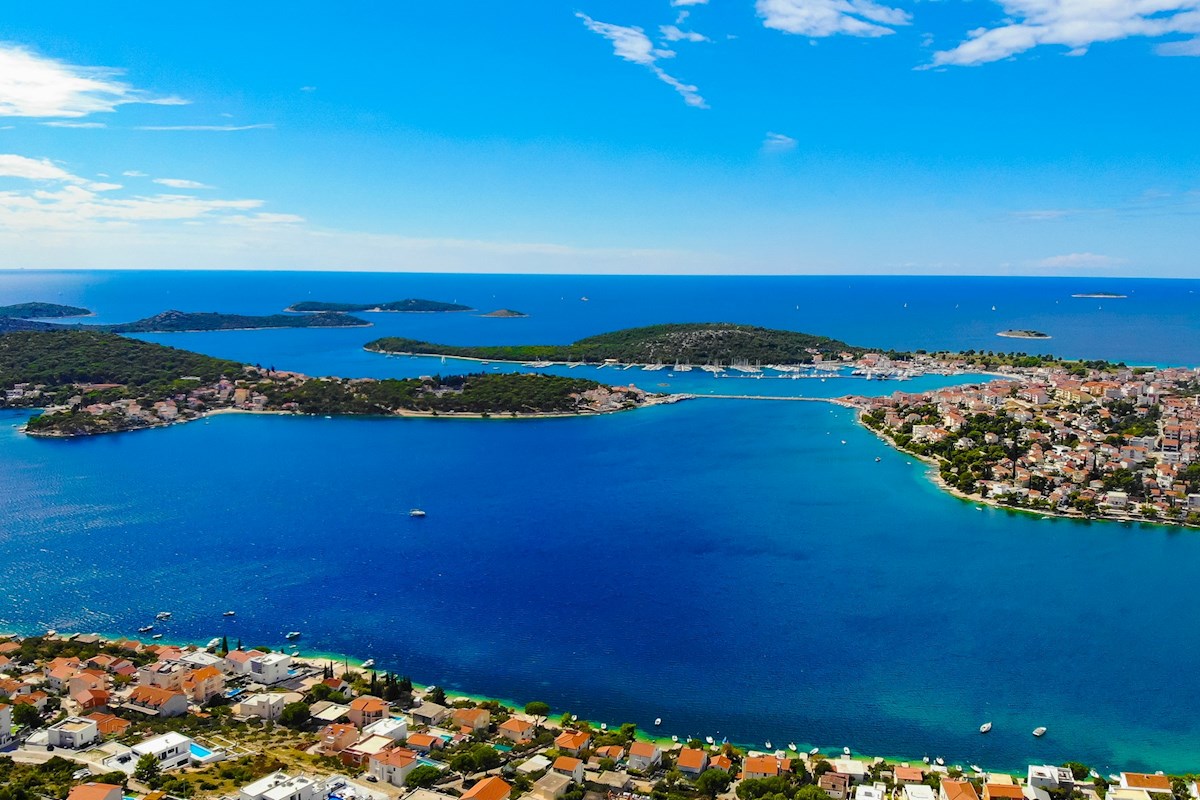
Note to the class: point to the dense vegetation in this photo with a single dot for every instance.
(988, 360)
(480, 394)
(177, 321)
(411, 304)
(63, 357)
(42, 311)
(694, 343)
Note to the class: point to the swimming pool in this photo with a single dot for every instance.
(199, 752)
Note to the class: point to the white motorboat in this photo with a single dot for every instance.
(416, 512)
(658, 720)
(708, 739)
(163, 615)
(145, 629)
(1039, 730)
(985, 727)
(229, 614)
(978, 770)
(792, 746)
(846, 751)
(370, 662)
(293, 634)
(814, 751)
(941, 762)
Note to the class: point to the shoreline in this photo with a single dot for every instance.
(318, 660)
(934, 475)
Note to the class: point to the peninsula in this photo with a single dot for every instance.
(412, 305)
(43, 311)
(90, 382)
(1023, 334)
(687, 343)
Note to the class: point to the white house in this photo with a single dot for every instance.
(73, 733)
(392, 766)
(918, 791)
(262, 705)
(857, 770)
(864, 792)
(392, 728)
(5, 724)
(279, 786)
(271, 668)
(1049, 776)
(171, 749)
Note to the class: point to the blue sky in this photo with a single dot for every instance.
(731, 136)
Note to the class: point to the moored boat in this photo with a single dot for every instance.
(1039, 730)
(416, 512)
(985, 727)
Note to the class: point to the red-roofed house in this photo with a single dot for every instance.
(516, 730)
(392, 766)
(572, 742)
(644, 756)
(488, 789)
(692, 761)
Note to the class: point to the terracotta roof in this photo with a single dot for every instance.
(108, 723)
(93, 791)
(151, 695)
(691, 758)
(471, 716)
(566, 764)
(397, 757)
(369, 704)
(488, 789)
(959, 790)
(914, 774)
(516, 725)
(642, 749)
(613, 751)
(1004, 790)
(1140, 780)
(571, 740)
(765, 765)
(424, 740)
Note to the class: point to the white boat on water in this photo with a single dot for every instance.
(658, 720)
(156, 636)
(293, 635)
(213, 644)
(814, 751)
(674, 738)
(925, 759)
(416, 512)
(987, 726)
(370, 662)
(1039, 730)
(145, 629)
(1093, 773)
(978, 770)
(792, 746)
(941, 762)
(163, 615)
(846, 751)
(769, 746)
(708, 739)
(229, 614)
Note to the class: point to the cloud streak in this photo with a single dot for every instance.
(257, 127)
(823, 18)
(1076, 25)
(32, 85)
(633, 45)
(180, 183)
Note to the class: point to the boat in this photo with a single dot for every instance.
(1114, 778)
(674, 738)
(941, 762)
(416, 512)
(814, 751)
(843, 441)
(163, 615)
(976, 769)
(985, 727)
(213, 644)
(658, 720)
(229, 614)
(603, 726)
(708, 739)
(370, 662)
(846, 751)
(1093, 773)
(293, 634)
(156, 636)
(583, 299)
(1039, 730)
(877, 459)
(925, 759)
(792, 746)
(145, 629)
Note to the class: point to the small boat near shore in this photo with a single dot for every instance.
(792, 746)
(163, 615)
(1039, 731)
(985, 727)
(814, 751)
(145, 629)
(156, 636)
(293, 635)
(370, 662)
(978, 770)
(845, 751)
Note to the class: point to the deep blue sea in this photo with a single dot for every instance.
(729, 566)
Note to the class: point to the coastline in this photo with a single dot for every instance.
(934, 475)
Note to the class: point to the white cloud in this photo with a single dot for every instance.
(180, 183)
(778, 143)
(1076, 25)
(33, 169)
(133, 173)
(689, 2)
(65, 124)
(820, 18)
(259, 126)
(632, 44)
(1188, 47)
(35, 86)
(1079, 261)
(672, 33)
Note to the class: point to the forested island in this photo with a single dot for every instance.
(691, 343)
(189, 321)
(43, 311)
(412, 305)
(91, 382)
(505, 313)
(1023, 334)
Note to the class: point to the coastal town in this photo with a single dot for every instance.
(83, 717)
(1107, 441)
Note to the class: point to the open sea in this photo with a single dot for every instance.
(730, 566)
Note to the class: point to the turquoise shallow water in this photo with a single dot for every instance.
(728, 566)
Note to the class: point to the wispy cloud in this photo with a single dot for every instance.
(689, 2)
(45, 170)
(1075, 25)
(33, 85)
(257, 127)
(673, 33)
(778, 143)
(1079, 261)
(181, 183)
(1188, 47)
(134, 173)
(632, 44)
(821, 18)
(67, 124)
